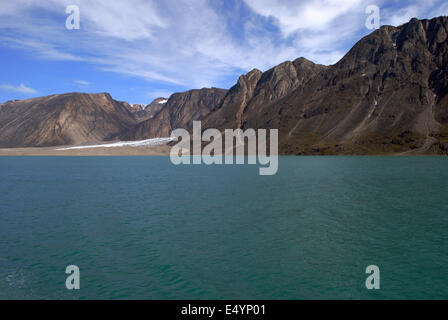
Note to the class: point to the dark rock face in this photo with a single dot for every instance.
(133, 108)
(144, 112)
(384, 96)
(256, 89)
(154, 107)
(179, 112)
(230, 109)
(73, 118)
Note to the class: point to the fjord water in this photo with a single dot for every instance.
(142, 228)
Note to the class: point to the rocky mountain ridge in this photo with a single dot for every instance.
(387, 95)
(180, 111)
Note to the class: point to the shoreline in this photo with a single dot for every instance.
(161, 150)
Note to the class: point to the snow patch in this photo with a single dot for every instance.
(163, 101)
(140, 143)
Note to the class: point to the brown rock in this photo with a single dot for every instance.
(72, 118)
(179, 112)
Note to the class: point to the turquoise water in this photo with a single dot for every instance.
(142, 228)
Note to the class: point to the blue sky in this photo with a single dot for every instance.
(141, 49)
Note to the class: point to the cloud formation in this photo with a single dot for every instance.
(292, 16)
(21, 88)
(194, 43)
(82, 82)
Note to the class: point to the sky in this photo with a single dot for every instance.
(139, 50)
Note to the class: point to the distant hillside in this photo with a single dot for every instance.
(72, 118)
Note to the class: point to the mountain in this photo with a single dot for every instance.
(142, 112)
(257, 89)
(134, 108)
(387, 95)
(154, 107)
(180, 111)
(62, 119)
(218, 108)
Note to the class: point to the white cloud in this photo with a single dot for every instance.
(191, 43)
(128, 20)
(403, 15)
(415, 9)
(292, 16)
(319, 29)
(82, 83)
(19, 89)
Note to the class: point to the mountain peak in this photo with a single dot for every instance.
(63, 119)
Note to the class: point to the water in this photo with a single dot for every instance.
(142, 228)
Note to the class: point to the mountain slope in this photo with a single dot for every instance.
(144, 112)
(387, 95)
(257, 89)
(73, 118)
(179, 112)
(154, 107)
